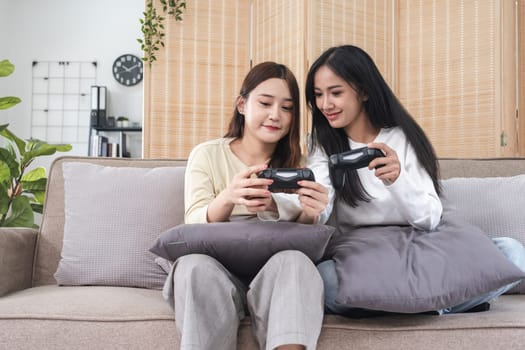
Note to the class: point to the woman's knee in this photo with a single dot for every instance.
(196, 267)
(293, 263)
(290, 256)
(291, 259)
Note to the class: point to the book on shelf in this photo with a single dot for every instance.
(113, 149)
(101, 146)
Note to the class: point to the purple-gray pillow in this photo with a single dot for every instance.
(243, 247)
(401, 269)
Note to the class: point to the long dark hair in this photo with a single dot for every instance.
(382, 108)
(287, 153)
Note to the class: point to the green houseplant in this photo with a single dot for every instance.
(152, 26)
(22, 191)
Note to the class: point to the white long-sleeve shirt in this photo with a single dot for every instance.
(410, 200)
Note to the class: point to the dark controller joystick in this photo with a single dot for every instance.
(351, 160)
(286, 178)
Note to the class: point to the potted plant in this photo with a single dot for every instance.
(152, 26)
(122, 122)
(22, 191)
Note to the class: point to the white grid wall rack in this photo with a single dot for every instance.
(61, 102)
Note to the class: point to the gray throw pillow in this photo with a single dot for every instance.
(494, 204)
(243, 247)
(112, 215)
(401, 269)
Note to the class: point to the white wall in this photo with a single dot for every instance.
(69, 30)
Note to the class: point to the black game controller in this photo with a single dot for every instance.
(351, 160)
(286, 178)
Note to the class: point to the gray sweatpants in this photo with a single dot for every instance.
(285, 302)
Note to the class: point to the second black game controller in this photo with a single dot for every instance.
(350, 160)
(286, 178)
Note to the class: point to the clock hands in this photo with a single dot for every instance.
(130, 68)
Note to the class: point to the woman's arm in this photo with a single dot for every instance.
(410, 186)
(212, 189)
(318, 162)
(198, 187)
(244, 189)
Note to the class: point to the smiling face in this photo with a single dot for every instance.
(339, 102)
(268, 111)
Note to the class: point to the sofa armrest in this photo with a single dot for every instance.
(17, 250)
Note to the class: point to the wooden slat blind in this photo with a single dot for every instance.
(450, 73)
(521, 75)
(367, 24)
(452, 63)
(296, 32)
(190, 90)
(279, 35)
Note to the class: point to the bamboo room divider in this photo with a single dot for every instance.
(520, 94)
(367, 24)
(452, 63)
(456, 60)
(189, 92)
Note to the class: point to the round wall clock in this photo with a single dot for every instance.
(128, 70)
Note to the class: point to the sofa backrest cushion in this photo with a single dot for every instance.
(495, 167)
(50, 238)
(488, 193)
(494, 204)
(112, 216)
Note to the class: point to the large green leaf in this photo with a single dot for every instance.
(35, 174)
(6, 68)
(21, 213)
(8, 160)
(34, 182)
(36, 148)
(37, 207)
(9, 101)
(63, 147)
(34, 186)
(20, 144)
(40, 197)
(5, 173)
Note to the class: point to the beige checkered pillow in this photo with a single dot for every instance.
(112, 216)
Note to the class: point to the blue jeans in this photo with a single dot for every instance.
(511, 248)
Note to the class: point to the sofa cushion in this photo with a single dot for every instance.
(86, 317)
(402, 269)
(243, 247)
(494, 204)
(112, 216)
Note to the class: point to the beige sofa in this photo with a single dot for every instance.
(35, 313)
